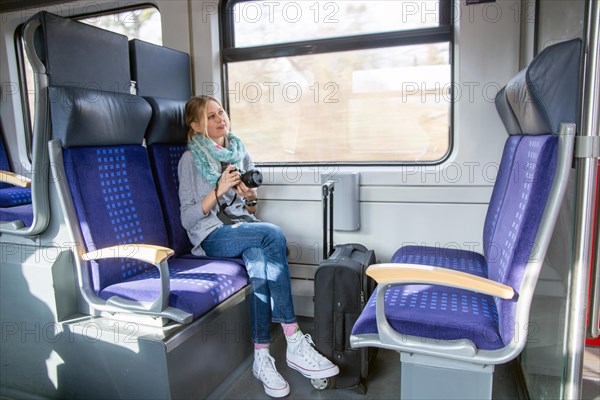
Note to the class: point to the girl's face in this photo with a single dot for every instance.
(217, 121)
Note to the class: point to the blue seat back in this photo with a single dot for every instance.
(163, 78)
(532, 106)
(4, 163)
(101, 128)
(11, 196)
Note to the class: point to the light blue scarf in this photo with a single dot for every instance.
(208, 155)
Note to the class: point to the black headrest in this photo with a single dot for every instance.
(545, 94)
(77, 54)
(160, 71)
(506, 113)
(87, 117)
(168, 122)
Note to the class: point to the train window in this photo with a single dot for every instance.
(339, 81)
(140, 23)
(291, 21)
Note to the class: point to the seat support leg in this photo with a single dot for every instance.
(426, 377)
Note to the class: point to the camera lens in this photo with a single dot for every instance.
(252, 178)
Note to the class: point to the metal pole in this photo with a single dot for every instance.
(594, 314)
(586, 168)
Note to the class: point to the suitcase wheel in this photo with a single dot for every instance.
(321, 383)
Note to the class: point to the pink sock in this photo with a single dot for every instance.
(290, 329)
(258, 346)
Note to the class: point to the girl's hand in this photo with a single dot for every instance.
(245, 191)
(230, 178)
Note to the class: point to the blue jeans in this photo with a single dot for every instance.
(263, 248)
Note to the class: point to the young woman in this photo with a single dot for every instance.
(217, 210)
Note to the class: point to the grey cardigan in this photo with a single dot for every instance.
(193, 187)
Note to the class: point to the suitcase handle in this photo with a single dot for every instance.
(327, 194)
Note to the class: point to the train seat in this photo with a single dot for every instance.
(454, 314)
(107, 190)
(15, 193)
(163, 78)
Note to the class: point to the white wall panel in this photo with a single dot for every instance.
(384, 227)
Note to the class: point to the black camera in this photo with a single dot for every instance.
(252, 178)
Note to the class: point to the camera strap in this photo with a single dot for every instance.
(228, 219)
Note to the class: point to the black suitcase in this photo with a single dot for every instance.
(341, 290)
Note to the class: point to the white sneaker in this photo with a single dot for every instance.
(264, 370)
(304, 358)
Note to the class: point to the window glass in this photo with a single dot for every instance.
(375, 105)
(269, 22)
(143, 24)
(340, 81)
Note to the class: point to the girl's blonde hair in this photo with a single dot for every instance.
(196, 106)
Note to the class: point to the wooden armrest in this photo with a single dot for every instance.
(144, 252)
(425, 274)
(14, 179)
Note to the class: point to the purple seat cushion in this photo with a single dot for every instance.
(197, 284)
(438, 312)
(14, 196)
(18, 213)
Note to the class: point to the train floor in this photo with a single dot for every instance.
(383, 381)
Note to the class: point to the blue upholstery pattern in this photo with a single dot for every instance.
(196, 285)
(11, 196)
(456, 259)
(4, 164)
(15, 202)
(513, 241)
(486, 321)
(120, 206)
(165, 159)
(451, 314)
(499, 192)
(116, 203)
(14, 196)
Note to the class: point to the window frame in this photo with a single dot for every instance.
(24, 90)
(442, 33)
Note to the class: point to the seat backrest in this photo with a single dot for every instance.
(101, 128)
(164, 80)
(10, 195)
(4, 163)
(160, 71)
(532, 106)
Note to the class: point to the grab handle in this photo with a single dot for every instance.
(327, 194)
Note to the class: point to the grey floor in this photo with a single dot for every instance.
(383, 381)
